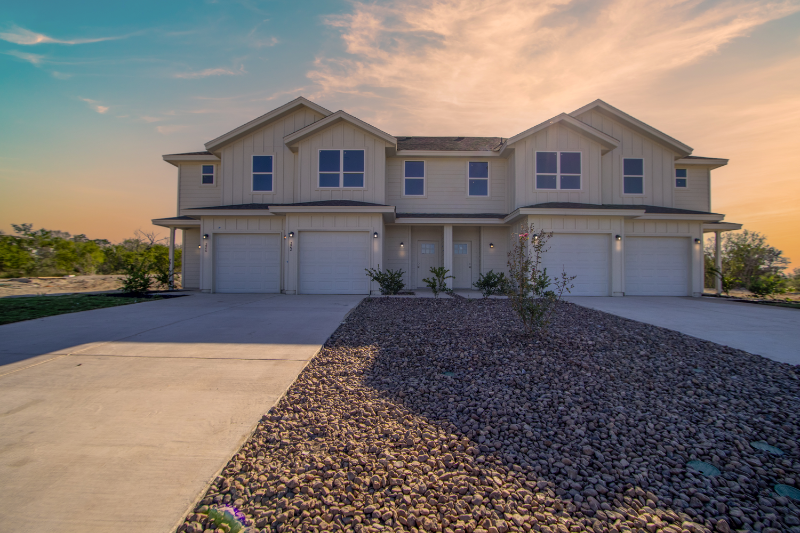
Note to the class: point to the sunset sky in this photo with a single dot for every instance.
(93, 93)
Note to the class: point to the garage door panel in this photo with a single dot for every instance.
(585, 256)
(334, 262)
(657, 266)
(247, 263)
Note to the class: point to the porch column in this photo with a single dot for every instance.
(448, 252)
(172, 258)
(718, 262)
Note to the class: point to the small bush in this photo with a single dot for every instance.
(390, 282)
(728, 282)
(491, 283)
(438, 281)
(137, 277)
(766, 286)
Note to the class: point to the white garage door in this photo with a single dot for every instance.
(247, 263)
(333, 262)
(585, 256)
(657, 266)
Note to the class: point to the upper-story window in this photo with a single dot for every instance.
(413, 178)
(341, 168)
(478, 178)
(207, 177)
(632, 176)
(558, 170)
(262, 173)
(681, 178)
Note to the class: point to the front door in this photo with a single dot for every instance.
(427, 257)
(462, 265)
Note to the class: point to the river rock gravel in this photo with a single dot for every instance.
(441, 415)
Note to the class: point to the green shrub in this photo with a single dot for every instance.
(390, 282)
(766, 286)
(728, 282)
(136, 279)
(438, 281)
(491, 283)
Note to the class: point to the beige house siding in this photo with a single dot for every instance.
(342, 135)
(237, 161)
(394, 256)
(658, 164)
(191, 193)
(556, 138)
(697, 194)
(190, 259)
(511, 181)
(446, 186)
(496, 258)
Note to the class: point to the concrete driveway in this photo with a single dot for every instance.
(117, 419)
(758, 329)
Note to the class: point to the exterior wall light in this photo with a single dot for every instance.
(697, 241)
(401, 245)
(291, 234)
(205, 235)
(618, 237)
(491, 245)
(200, 246)
(375, 235)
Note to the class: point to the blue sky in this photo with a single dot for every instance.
(95, 92)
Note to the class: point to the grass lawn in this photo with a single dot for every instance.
(28, 308)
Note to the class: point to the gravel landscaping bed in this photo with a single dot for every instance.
(425, 415)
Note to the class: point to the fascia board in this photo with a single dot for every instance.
(330, 209)
(293, 139)
(636, 125)
(606, 141)
(626, 213)
(721, 226)
(445, 153)
(177, 159)
(452, 221)
(166, 223)
(275, 114)
(664, 216)
(227, 212)
(711, 163)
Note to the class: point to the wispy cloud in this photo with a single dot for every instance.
(94, 104)
(34, 59)
(436, 65)
(23, 36)
(209, 72)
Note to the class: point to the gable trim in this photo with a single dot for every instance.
(606, 141)
(293, 140)
(263, 120)
(636, 125)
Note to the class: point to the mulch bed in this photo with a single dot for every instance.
(426, 415)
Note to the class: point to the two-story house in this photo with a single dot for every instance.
(302, 200)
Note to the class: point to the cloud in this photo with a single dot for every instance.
(19, 35)
(34, 59)
(95, 105)
(439, 65)
(210, 72)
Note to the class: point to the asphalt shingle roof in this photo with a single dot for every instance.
(454, 144)
(647, 208)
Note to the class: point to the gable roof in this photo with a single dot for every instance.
(277, 113)
(636, 125)
(451, 144)
(606, 141)
(293, 139)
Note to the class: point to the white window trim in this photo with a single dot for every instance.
(644, 181)
(424, 179)
(341, 170)
(558, 170)
(676, 178)
(213, 176)
(488, 179)
(252, 162)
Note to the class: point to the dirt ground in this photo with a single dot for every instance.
(61, 285)
(741, 293)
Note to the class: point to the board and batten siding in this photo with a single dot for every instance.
(446, 186)
(396, 257)
(552, 139)
(697, 194)
(190, 259)
(342, 135)
(191, 192)
(496, 258)
(237, 161)
(659, 164)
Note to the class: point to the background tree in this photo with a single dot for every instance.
(747, 259)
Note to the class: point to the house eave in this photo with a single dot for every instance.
(606, 142)
(423, 221)
(625, 213)
(445, 153)
(705, 162)
(178, 224)
(710, 217)
(178, 159)
(721, 226)
(292, 141)
(197, 213)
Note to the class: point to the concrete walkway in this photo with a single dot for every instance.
(117, 419)
(759, 329)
